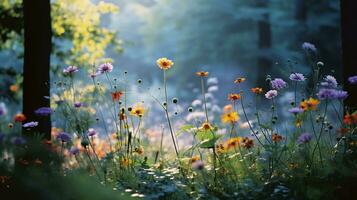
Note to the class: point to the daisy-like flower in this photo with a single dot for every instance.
(138, 110)
(230, 117)
(257, 90)
(297, 77)
(309, 104)
(117, 95)
(233, 142)
(105, 68)
(278, 84)
(43, 111)
(64, 137)
(202, 73)
(239, 80)
(276, 137)
(19, 117)
(330, 82)
(30, 124)
(164, 63)
(206, 126)
(352, 80)
(91, 132)
(304, 138)
(247, 143)
(234, 97)
(271, 94)
(70, 70)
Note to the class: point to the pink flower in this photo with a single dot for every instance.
(271, 94)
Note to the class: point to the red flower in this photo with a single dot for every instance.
(350, 119)
(117, 95)
(19, 117)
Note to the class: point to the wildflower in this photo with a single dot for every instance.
(19, 117)
(221, 148)
(70, 70)
(330, 82)
(43, 111)
(233, 142)
(233, 97)
(104, 68)
(341, 95)
(298, 123)
(206, 126)
(30, 124)
(271, 94)
(278, 84)
(14, 88)
(296, 110)
(125, 162)
(350, 119)
(74, 151)
(139, 150)
(304, 138)
(276, 137)
(309, 47)
(239, 80)
(78, 104)
(327, 93)
(194, 159)
(64, 137)
(310, 104)
(352, 80)
(257, 90)
(137, 110)
(164, 63)
(198, 165)
(247, 143)
(202, 73)
(297, 77)
(91, 132)
(231, 117)
(228, 108)
(117, 95)
(3, 109)
(18, 140)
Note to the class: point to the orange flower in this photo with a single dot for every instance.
(310, 104)
(139, 150)
(276, 137)
(233, 142)
(117, 95)
(14, 88)
(202, 73)
(164, 63)
(194, 159)
(239, 80)
(233, 97)
(230, 117)
(247, 143)
(257, 90)
(19, 117)
(138, 110)
(350, 119)
(221, 148)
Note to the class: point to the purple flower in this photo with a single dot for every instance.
(64, 137)
(297, 77)
(198, 165)
(105, 67)
(3, 109)
(330, 94)
(74, 151)
(341, 94)
(271, 94)
(70, 70)
(43, 111)
(30, 124)
(309, 47)
(78, 104)
(278, 84)
(91, 132)
(296, 110)
(329, 81)
(304, 138)
(18, 141)
(352, 80)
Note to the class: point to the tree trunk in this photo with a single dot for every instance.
(349, 48)
(300, 10)
(264, 45)
(37, 47)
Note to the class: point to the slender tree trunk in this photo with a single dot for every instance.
(264, 44)
(349, 48)
(300, 10)
(37, 31)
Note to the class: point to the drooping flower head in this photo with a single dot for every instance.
(30, 124)
(105, 68)
(234, 97)
(117, 95)
(202, 73)
(304, 138)
(278, 84)
(230, 117)
(43, 111)
(309, 104)
(91, 132)
(19, 117)
(164, 63)
(309, 47)
(257, 90)
(297, 77)
(330, 82)
(352, 80)
(70, 70)
(271, 94)
(64, 137)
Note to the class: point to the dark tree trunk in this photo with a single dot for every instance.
(264, 44)
(37, 31)
(300, 10)
(349, 48)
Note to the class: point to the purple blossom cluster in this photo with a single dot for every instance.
(331, 94)
(104, 68)
(330, 82)
(64, 137)
(30, 124)
(271, 94)
(309, 47)
(91, 132)
(304, 138)
(352, 80)
(43, 111)
(296, 110)
(70, 70)
(278, 84)
(74, 151)
(297, 77)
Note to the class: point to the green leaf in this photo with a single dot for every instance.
(209, 143)
(184, 128)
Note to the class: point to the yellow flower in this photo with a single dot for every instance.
(239, 80)
(138, 110)
(206, 126)
(310, 104)
(230, 117)
(233, 142)
(202, 73)
(139, 150)
(164, 63)
(125, 162)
